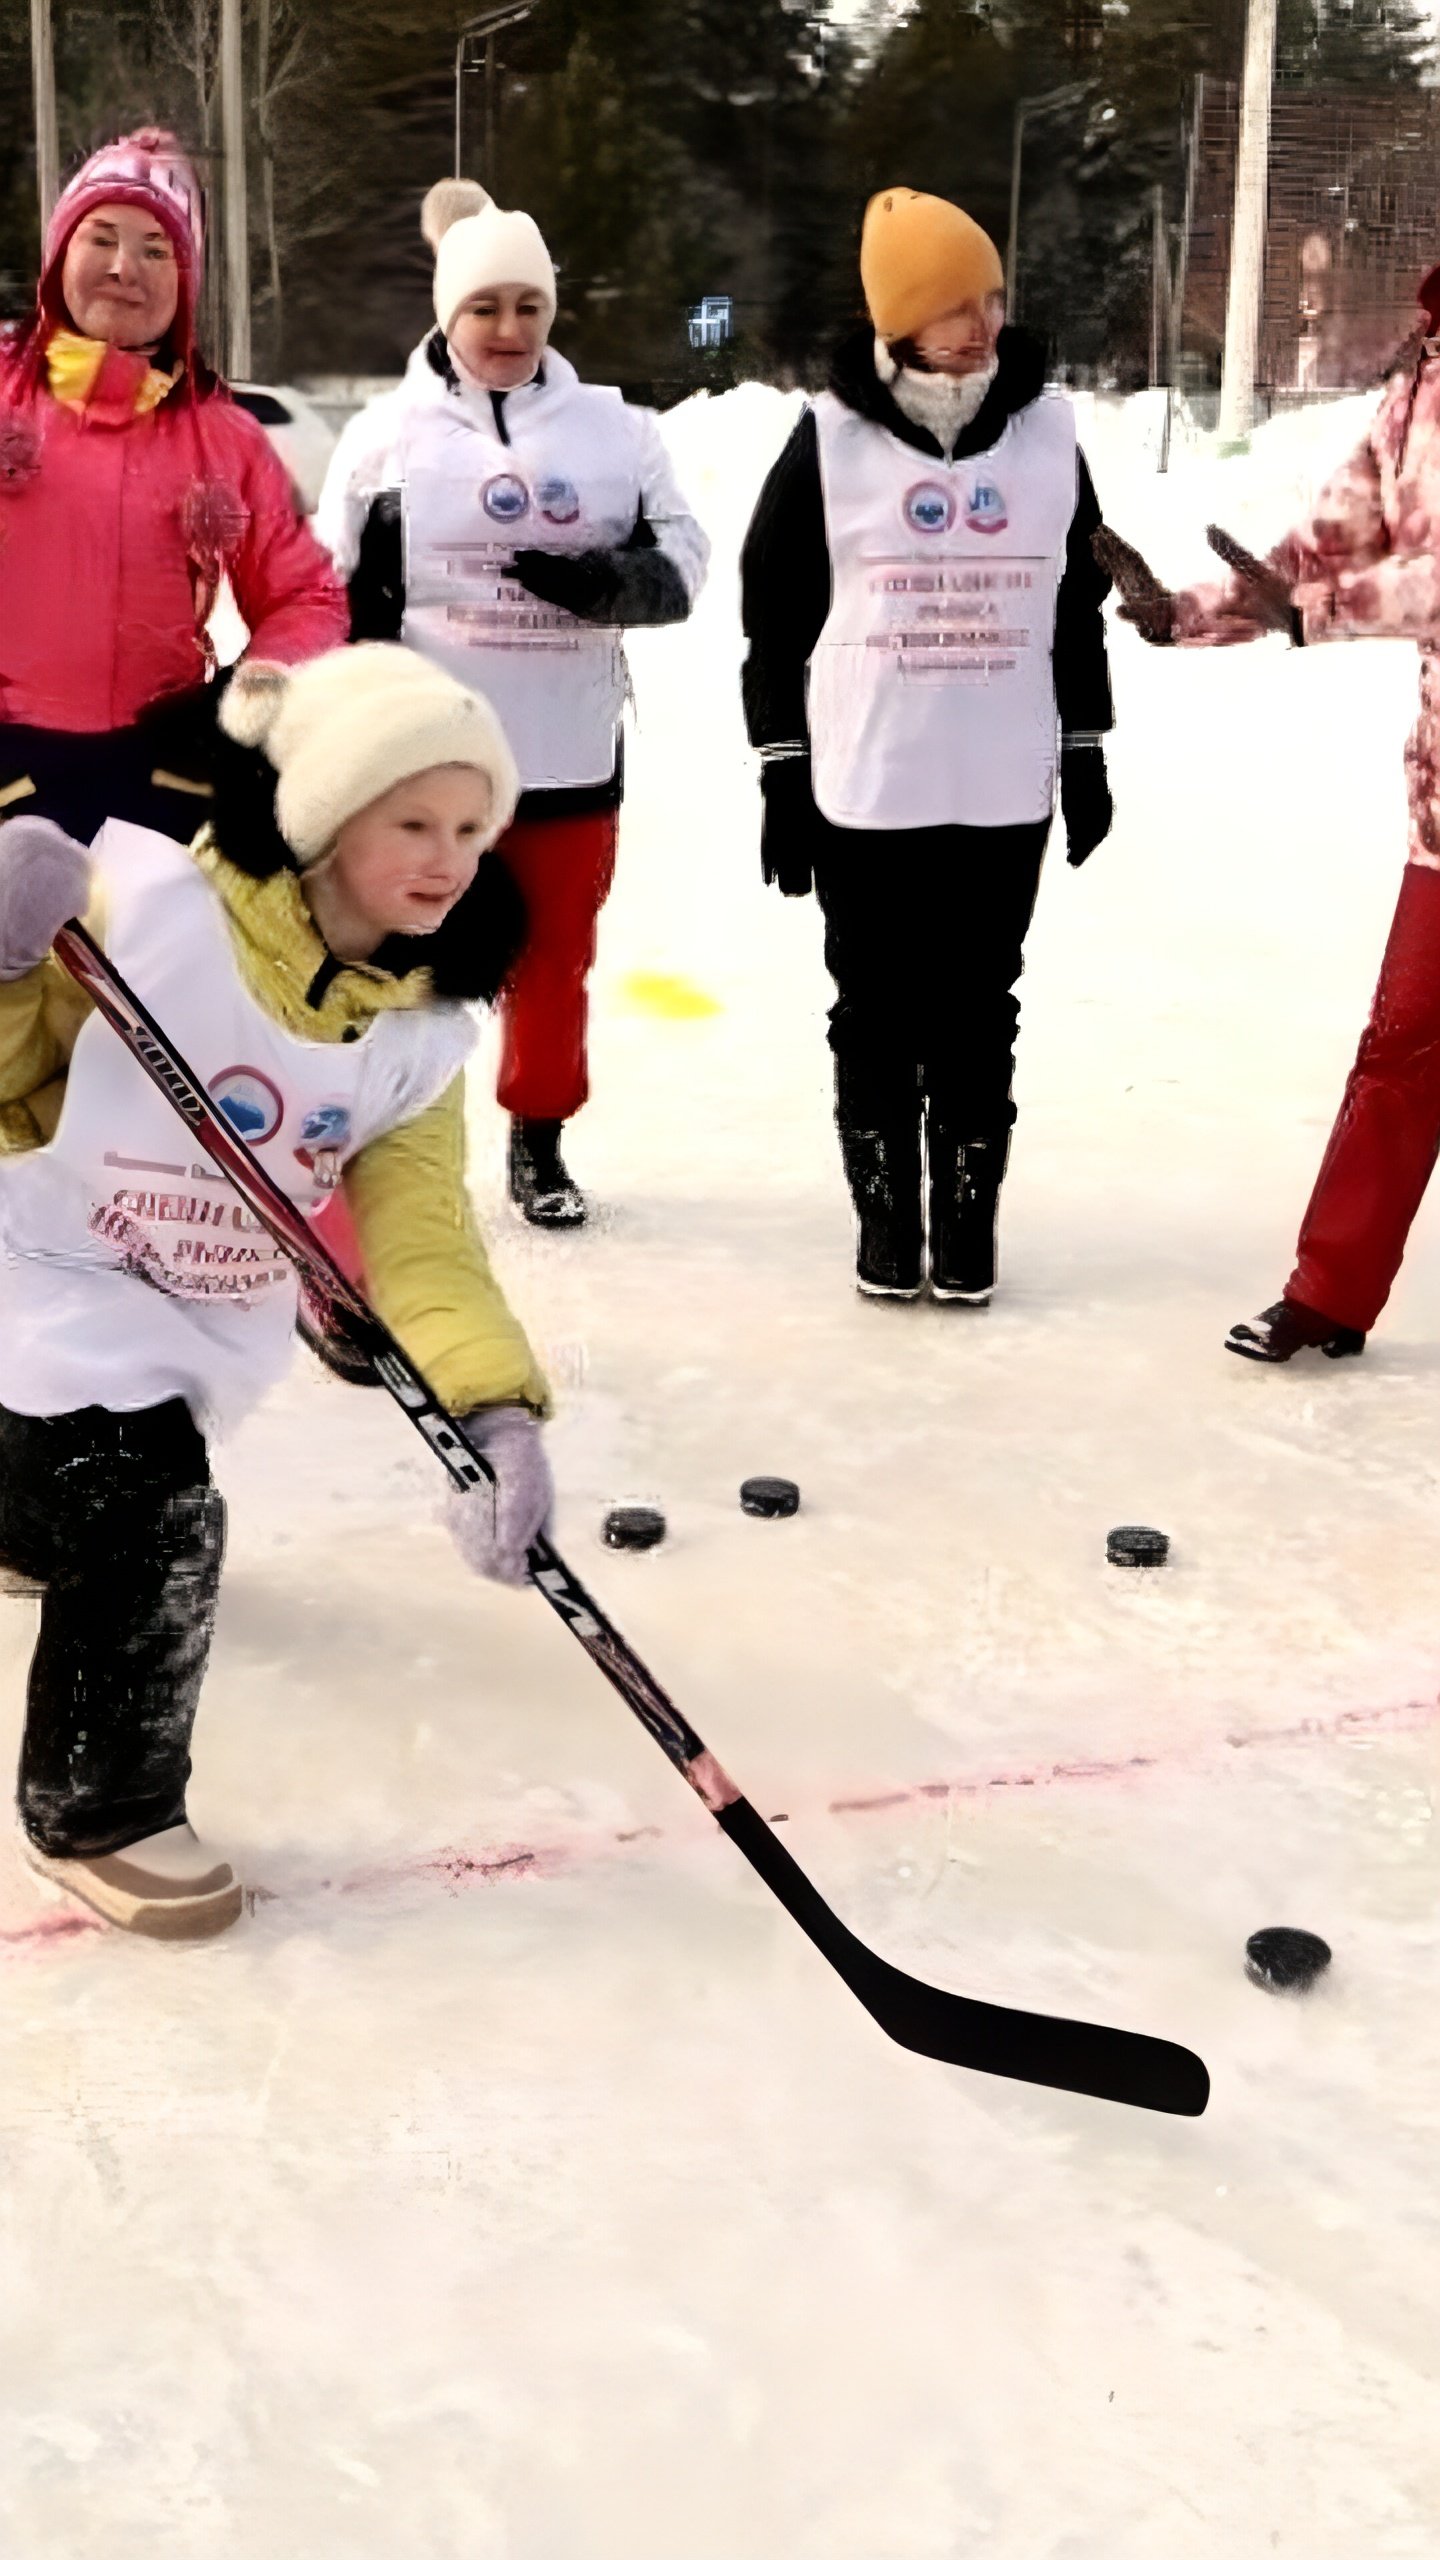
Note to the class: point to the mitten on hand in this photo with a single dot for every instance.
(494, 1525)
(44, 881)
(582, 582)
(790, 825)
(1085, 802)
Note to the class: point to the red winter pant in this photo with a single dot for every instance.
(1386, 1138)
(564, 867)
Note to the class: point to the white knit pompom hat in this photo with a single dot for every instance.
(343, 729)
(478, 247)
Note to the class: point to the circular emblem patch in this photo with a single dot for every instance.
(985, 509)
(929, 507)
(249, 1101)
(505, 498)
(558, 500)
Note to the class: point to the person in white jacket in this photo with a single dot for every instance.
(509, 522)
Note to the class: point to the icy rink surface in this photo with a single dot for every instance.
(515, 2183)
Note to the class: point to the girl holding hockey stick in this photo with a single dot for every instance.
(316, 959)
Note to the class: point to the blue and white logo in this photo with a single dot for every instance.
(558, 500)
(929, 507)
(985, 509)
(505, 498)
(249, 1101)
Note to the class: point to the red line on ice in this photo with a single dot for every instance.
(460, 1870)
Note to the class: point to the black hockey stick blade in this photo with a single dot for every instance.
(1269, 590)
(1101, 2062)
(1016, 2044)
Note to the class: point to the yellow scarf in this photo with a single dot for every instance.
(74, 364)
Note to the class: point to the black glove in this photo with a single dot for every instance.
(790, 826)
(1085, 802)
(586, 583)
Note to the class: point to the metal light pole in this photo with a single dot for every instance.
(237, 216)
(1247, 231)
(1040, 104)
(483, 30)
(47, 132)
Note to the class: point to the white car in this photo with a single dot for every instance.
(297, 431)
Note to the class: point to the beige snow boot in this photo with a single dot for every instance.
(169, 1886)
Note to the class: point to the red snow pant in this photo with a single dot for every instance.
(564, 867)
(1386, 1138)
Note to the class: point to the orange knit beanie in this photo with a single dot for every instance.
(921, 257)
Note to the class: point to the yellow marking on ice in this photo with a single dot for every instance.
(669, 999)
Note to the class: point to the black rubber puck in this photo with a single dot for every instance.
(769, 1497)
(1285, 1959)
(1137, 1546)
(633, 1524)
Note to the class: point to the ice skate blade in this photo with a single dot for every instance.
(180, 1921)
(961, 1297)
(884, 1289)
(1341, 1346)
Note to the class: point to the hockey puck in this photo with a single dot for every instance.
(1285, 1959)
(1137, 1546)
(634, 1525)
(769, 1497)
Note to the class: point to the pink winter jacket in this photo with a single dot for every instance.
(104, 584)
(1366, 565)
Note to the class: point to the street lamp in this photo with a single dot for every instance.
(484, 30)
(1041, 104)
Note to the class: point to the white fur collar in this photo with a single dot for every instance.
(941, 403)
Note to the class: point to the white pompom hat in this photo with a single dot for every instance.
(478, 247)
(341, 730)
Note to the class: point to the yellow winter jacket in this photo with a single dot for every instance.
(426, 1270)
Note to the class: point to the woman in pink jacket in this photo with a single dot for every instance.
(130, 484)
(1366, 565)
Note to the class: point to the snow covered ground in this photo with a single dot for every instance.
(515, 2184)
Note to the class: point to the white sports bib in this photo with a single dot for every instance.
(568, 483)
(931, 689)
(130, 1271)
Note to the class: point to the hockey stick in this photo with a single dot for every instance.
(1143, 600)
(1058, 2053)
(1270, 591)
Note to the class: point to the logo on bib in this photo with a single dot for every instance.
(558, 500)
(985, 509)
(249, 1101)
(505, 498)
(323, 1132)
(929, 507)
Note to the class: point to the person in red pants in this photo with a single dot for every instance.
(1365, 565)
(510, 522)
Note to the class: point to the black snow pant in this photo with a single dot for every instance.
(150, 774)
(115, 1516)
(924, 937)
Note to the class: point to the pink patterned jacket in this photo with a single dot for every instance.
(1366, 562)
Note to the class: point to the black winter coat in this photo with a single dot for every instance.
(785, 563)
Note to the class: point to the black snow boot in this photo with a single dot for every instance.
(1290, 1326)
(539, 1184)
(882, 1167)
(965, 1175)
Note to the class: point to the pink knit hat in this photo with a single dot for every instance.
(146, 169)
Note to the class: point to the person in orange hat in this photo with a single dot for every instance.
(926, 656)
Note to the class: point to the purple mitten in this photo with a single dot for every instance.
(494, 1525)
(44, 881)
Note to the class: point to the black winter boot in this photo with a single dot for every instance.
(965, 1175)
(539, 1184)
(1290, 1326)
(882, 1167)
